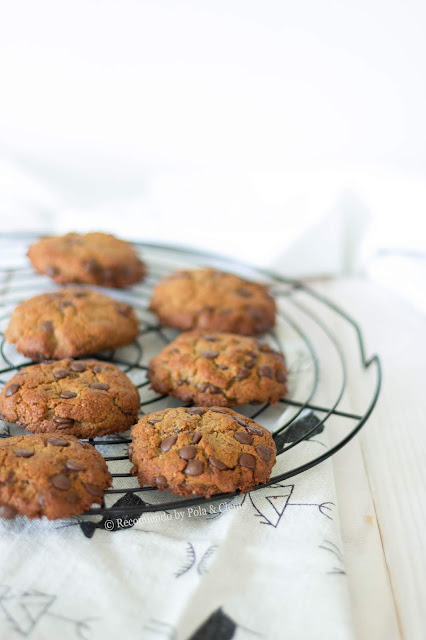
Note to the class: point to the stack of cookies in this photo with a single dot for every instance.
(216, 363)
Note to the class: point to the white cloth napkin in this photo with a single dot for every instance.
(266, 565)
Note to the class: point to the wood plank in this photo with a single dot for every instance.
(393, 446)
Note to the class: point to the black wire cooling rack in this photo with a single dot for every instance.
(324, 350)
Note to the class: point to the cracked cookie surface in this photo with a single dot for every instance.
(92, 258)
(44, 475)
(201, 451)
(84, 398)
(208, 299)
(219, 369)
(69, 323)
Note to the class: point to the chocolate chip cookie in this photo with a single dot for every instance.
(215, 301)
(201, 451)
(91, 258)
(221, 369)
(69, 323)
(50, 476)
(85, 398)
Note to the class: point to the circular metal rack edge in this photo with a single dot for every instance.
(20, 281)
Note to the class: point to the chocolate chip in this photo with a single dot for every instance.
(251, 363)
(78, 366)
(255, 313)
(240, 421)
(194, 468)
(52, 271)
(196, 437)
(161, 482)
(210, 338)
(80, 294)
(188, 452)
(263, 452)
(97, 368)
(24, 453)
(281, 376)
(68, 394)
(12, 389)
(196, 411)
(210, 354)
(63, 420)
(254, 430)
(64, 425)
(244, 293)
(101, 386)
(61, 373)
(47, 326)
(208, 388)
(247, 460)
(128, 269)
(73, 465)
(265, 348)
(243, 437)
(265, 371)
(91, 266)
(65, 303)
(217, 463)
(125, 311)
(7, 511)
(72, 497)
(154, 420)
(167, 443)
(61, 481)
(220, 411)
(243, 374)
(222, 366)
(58, 442)
(108, 274)
(93, 489)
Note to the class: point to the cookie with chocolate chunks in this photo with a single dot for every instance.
(212, 300)
(70, 323)
(85, 398)
(91, 258)
(219, 369)
(52, 476)
(201, 451)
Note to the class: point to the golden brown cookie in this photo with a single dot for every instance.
(69, 323)
(201, 451)
(45, 475)
(90, 258)
(215, 301)
(85, 398)
(221, 369)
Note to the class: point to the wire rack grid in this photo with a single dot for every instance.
(312, 423)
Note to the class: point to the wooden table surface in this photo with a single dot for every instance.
(381, 474)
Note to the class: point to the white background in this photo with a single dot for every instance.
(290, 134)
